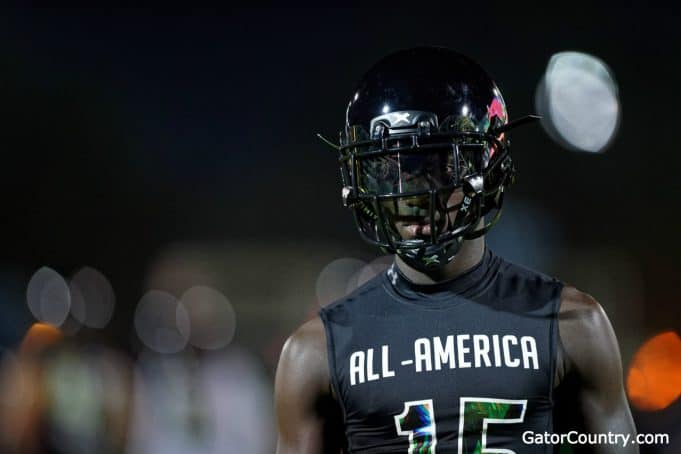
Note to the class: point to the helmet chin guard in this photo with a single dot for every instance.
(431, 257)
(424, 154)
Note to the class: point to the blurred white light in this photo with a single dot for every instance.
(464, 110)
(333, 281)
(369, 271)
(356, 96)
(161, 322)
(211, 315)
(48, 296)
(93, 298)
(386, 109)
(579, 102)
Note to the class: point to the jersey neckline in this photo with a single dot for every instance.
(446, 293)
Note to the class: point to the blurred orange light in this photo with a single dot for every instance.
(38, 337)
(654, 379)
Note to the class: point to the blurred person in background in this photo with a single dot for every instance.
(452, 347)
(63, 396)
(200, 402)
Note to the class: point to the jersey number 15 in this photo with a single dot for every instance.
(417, 421)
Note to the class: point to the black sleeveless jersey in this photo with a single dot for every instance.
(462, 366)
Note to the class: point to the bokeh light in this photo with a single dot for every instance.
(333, 281)
(579, 102)
(211, 315)
(654, 379)
(162, 322)
(94, 304)
(48, 296)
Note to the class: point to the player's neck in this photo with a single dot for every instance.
(469, 255)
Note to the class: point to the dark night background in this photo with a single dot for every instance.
(125, 132)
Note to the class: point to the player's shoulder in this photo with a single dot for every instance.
(586, 334)
(308, 339)
(302, 364)
(582, 309)
(576, 299)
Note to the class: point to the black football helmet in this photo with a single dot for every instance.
(424, 154)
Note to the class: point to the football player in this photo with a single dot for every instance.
(452, 349)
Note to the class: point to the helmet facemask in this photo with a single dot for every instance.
(419, 190)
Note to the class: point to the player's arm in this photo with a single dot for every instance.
(591, 352)
(307, 415)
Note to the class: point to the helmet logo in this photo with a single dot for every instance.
(400, 117)
(432, 260)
